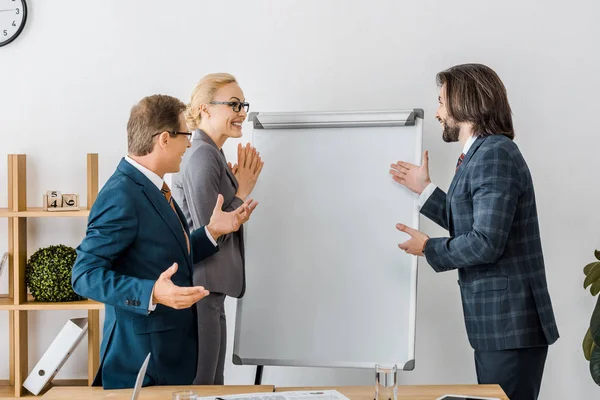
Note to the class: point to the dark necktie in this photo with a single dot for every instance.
(167, 193)
(460, 160)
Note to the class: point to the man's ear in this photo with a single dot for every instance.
(163, 139)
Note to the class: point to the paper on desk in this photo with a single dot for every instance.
(297, 395)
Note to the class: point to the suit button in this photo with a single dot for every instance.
(127, 302)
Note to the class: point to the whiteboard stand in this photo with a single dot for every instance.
(306, 148)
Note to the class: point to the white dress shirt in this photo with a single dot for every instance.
(158, 182)
(431, 187)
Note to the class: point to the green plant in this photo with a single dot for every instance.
(48, 274)
(591, 341)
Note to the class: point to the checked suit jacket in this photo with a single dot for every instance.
(491, 215)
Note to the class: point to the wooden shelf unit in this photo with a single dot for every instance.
(33, 212)
(17, 301)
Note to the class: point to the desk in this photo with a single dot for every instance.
(411, 392)
(147, 393)
(420, 392)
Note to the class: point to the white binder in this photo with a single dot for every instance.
(3, 261)
(57, 354)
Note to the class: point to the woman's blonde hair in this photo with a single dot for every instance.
(204, 93)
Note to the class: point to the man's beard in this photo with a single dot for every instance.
(450, 133)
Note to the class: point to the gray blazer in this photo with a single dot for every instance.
(204, 174)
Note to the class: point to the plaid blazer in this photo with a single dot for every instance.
(490, 213)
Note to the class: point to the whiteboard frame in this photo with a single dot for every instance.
(343, 119)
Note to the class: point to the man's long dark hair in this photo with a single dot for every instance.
(475, 94)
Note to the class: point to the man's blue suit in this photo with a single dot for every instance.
(132, 237)
(490, 212)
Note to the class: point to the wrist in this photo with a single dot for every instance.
(424, 245)
(213, 232)
(426, 183)
(154, 300)
(241, 196)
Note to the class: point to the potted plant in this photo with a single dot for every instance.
(591, 342)
(48, 274)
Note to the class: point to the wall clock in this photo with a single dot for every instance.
(13, 15)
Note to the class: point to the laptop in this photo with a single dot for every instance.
(140, 378)
(459, 397)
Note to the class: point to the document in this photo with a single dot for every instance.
(297, 395)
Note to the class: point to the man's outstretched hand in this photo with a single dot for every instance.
(223, 222)
(167, 293)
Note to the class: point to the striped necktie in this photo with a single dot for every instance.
(460, 160)
(167, 193)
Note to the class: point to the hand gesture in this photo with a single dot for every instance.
(223, 222)
(177, 297)
(247, 170)
(415, 178)
(416, 244)
(233, 168)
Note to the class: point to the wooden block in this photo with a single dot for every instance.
(56, 201)
(53, 199)
(70, 200)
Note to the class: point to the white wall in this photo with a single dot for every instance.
(68, 83)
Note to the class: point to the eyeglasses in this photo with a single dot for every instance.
(175, 133)
(236, 106)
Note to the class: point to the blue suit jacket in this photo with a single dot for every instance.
(132, 237)
(491, 214)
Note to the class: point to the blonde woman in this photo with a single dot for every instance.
(216, 112)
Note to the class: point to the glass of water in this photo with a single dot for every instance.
(184, 395)
(386, 382)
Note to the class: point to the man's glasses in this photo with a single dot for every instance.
(174, 133)
(236, 106)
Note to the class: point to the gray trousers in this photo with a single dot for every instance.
(212, 340)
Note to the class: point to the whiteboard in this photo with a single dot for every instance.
(327, 285)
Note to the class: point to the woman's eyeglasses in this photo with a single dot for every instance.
(236, 106)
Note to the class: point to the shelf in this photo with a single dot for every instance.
(8, 393)
(38, 212)
(67, 305)
(17, 247)
(6, 303)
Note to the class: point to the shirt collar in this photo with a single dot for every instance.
(155, 179)
(469, 143)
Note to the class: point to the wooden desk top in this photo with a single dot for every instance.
(405, 392)
(411, 392)
(147, 393)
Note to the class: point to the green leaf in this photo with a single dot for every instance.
(595, 365)
(588, 345)
(597, 254)
(593, 276)
(595, 289)
(595, 323)
(591, 266)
